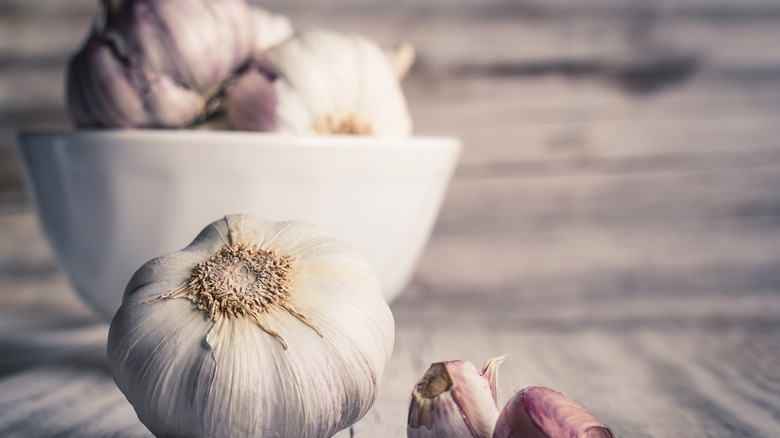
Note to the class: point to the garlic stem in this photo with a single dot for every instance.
(435, 381)
(243, 280)
(402, 57)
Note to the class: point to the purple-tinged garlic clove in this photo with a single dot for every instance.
(539, 412)
(157, 63)
(250, 101)
(454, 399)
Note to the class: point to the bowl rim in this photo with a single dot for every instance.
(261, 138)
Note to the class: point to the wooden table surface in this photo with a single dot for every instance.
(613, 225)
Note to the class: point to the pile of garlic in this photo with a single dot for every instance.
(454, 399)
(223, 64)
(256, 329)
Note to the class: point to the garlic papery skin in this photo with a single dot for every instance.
(539, 412)
(454, 399)
(270, 29)
(157, 63)
(256, 329)
(401, 58)
(320, 82)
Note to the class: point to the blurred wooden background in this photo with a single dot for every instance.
(614, 223)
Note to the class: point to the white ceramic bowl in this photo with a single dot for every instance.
(111, 200)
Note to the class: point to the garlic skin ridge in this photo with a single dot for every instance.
(187, 374)
(157, 63)
(454, 399)
(323, 82)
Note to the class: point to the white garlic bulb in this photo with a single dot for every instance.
(256, 329)
(454, 399)
(323, 82)
(157, 63)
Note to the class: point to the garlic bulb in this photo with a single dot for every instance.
(454, 399)
(255, 329)
(157, 63)
(538, 412)
(323, 82)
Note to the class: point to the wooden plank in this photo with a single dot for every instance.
(626, 378)
(77, 398)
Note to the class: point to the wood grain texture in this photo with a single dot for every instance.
(642, 382)
(613, 225)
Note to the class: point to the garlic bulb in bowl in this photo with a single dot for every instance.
(256, 329)
(157, 63)
(323, 82)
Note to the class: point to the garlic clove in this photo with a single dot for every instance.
(454, 399)
(97, 83)
(250, 103)
(545, 413)
(309, 363)
(324, 83)
(157, 63)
